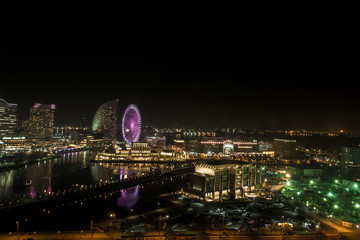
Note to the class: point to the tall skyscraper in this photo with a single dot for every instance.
(41, 121)
(105, 121)
(8, 118)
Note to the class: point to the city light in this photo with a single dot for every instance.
(204, 159)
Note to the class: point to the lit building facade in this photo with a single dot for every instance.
(141, 151)
(217, 145)
(105, 121)
(41, 120)
(228, 147)
(121, 153)
(17, 144)
(350, 161)
(156, 142)
(179, 144)
(8, 118)
(285, 148)
(214, 182)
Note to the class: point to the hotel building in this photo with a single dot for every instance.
(8, 118)
(41, 120)
(105, 121)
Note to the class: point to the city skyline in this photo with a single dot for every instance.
(213, 130)
(185, 87)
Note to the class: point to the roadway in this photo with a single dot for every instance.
(330, 228)
(163, 235)
(55, 235)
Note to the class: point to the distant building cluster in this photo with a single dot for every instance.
(120, 136)
(36, 131)
(39, 133)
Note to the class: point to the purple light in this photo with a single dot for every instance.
(37, 105)
(121, 174)
(131, 124)
(32, 193)
(128, 198)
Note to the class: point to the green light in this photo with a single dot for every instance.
(355, 185)
(357, 205)
(330, 194)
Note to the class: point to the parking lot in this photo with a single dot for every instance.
(186, 214)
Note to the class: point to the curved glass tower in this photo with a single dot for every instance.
(105, 121)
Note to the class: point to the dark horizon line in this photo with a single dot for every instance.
(238, 128)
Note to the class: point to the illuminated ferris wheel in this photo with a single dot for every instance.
(131, 124)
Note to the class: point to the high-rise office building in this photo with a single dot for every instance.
(41, 120)
(105, 121)
(8, 118)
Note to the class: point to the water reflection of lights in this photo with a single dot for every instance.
(6, 183)
(128, 198)
(32, 193)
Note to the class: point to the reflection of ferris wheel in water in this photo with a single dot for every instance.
(131, 124)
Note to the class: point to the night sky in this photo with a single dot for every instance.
(263, 84)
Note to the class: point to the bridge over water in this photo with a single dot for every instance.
(79, 192)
